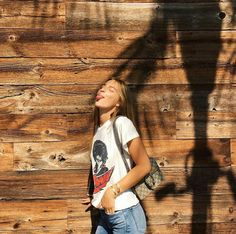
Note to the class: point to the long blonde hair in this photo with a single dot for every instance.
(125, 108)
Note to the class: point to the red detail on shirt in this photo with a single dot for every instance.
(100, 182)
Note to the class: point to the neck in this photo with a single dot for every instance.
(105, 115)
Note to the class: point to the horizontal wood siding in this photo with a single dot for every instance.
(178, 58)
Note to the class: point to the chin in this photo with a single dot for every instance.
(97, 105)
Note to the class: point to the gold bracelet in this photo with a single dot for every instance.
(118, 187)
(115, 189)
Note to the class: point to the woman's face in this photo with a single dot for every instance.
(108, 96)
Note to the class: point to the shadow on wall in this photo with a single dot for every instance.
(146, 56)
(199, 181)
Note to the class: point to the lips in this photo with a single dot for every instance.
(98, 97)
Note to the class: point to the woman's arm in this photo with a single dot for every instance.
(142, 167)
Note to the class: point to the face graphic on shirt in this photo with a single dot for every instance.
(101, 173)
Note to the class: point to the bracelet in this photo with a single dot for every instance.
(115, 189)
(118, 187)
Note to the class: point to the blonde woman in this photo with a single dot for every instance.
(120, 210)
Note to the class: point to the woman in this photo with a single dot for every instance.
(119, 207)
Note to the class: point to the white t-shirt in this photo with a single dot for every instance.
(107, 163)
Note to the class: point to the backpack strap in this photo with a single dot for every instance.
(119, 144)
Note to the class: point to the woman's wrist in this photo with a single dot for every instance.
(115, 188)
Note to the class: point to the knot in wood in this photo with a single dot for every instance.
(175, 214)
(29, 150)
(221, 15)
(61, 157)
(231, 209)
(16, 225)
(12, 37)
(52, 156)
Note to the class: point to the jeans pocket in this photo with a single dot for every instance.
(139, 218)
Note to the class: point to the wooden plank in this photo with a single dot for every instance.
(31, 14)
(30, 128)
(210, 46)
(178, 209)
(210, 96)
(31, 215)
(52, 156)
(80, 98)
(219, 125)
(66, 184)
(197, 181)
(217, 45)
(116, 16)
(85, 44)
(47, 99)
(75, 154)
(28, 71)
(6, 156)
(43, 184)
(233, 151)
(216, 228)
(177, 153)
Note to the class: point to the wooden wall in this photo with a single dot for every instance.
(179, 59)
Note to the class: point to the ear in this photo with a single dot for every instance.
(117, 105)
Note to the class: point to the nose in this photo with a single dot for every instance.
(102, 89)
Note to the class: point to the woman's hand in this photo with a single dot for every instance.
(108, 201)
(87, 201)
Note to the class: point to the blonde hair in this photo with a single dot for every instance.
(125, 108)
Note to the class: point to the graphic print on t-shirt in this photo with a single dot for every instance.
(101, 173)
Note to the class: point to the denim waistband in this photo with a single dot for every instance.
(128, 208)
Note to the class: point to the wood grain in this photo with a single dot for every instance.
(75, 154)
(65, 184)
(47, 127)
(32, 14)
(46, 71)
(116, 16)
(6, 156)
(33, 215)
(218, 125)
(41, 99)
(178, 58)
(51, 156)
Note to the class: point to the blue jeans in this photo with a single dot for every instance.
(130, 220)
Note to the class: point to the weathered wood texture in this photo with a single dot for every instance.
(87, 15)
(117, 44)
(178, 58)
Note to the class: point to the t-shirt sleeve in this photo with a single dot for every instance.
(126, 130)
